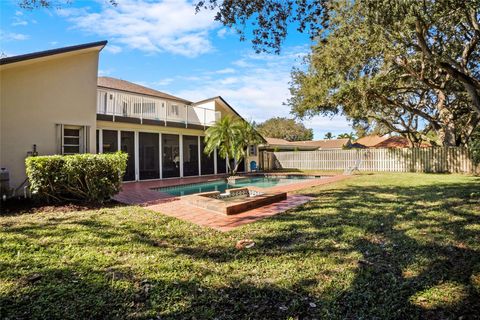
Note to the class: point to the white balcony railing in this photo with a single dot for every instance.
(137, 106)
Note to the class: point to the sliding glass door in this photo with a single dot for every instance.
(208, 161)
(127, 143)
(110, 141)
(149, 160)
(221, 164)
(190, 156)
(170, 155)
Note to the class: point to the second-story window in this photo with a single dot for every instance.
(174, 110)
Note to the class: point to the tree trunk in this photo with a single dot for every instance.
(447, 131)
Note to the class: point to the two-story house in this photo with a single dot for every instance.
(53, 102)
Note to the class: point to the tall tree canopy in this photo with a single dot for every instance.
(381, 76)
(284, 128)
(408, 66)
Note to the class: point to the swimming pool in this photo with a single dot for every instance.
(222, 185)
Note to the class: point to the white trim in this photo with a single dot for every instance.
(119, 140)
(160, 155)
(215, 171)
(199, 157)
(180, 151)
(100, 141)
(155, 131)
(136, 155)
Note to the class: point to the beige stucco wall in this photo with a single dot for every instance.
(38, 94)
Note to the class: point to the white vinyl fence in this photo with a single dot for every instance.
(451, 159)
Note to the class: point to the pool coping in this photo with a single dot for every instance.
(177, 207)
(143, 192)
(240, 177)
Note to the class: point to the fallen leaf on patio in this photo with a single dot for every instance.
(244, 244)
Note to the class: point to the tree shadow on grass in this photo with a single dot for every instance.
(419, 251)
(415, 252)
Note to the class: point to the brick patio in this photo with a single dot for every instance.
(180, 209)
(141, 193)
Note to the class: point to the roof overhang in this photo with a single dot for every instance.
(222, 101)
(25, 59)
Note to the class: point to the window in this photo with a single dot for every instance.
(148, 107)
(174, 110)
(253, 150)
(73, 139)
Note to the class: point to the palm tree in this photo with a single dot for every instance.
(350, 136)
(328, 136)
(231, 137)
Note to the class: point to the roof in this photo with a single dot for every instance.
(221, 99)
(324, 144)
(371, 140)
(399, 142)
(386, 142)
(311, 144)
(40, 54)
(393, 142)
(122, 85)
(276, 141)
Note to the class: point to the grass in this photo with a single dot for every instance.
(384, 246)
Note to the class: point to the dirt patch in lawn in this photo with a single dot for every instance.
(29, 206)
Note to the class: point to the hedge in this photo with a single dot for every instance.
(90, 177)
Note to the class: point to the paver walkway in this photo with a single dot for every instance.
(141, 193)
(182, 210)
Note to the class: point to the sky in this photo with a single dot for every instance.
(164, 45)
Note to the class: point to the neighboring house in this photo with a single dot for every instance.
(275, 144)
(52, 101)
(369, 141)
(376, 141)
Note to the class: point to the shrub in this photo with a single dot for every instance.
(90, 177)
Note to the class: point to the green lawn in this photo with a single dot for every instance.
(384, 246)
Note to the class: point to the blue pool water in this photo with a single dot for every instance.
(222, 185)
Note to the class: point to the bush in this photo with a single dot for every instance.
(90, 177)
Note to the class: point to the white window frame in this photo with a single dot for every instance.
(82, 138)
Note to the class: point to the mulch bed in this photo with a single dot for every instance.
(29, 206)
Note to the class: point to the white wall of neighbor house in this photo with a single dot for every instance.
(36, 96)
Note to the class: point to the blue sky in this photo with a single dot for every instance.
(166, 46)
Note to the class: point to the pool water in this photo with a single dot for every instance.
(222, 185)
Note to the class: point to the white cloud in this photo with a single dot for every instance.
(222, 32)
(113, 49)
(103, 73)
(19, 22)
(163, 82)
(161, 26)
(225, 71)
(9, 36)
(260, 88)
(53, 43)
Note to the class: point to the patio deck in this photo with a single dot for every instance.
(141, 193)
